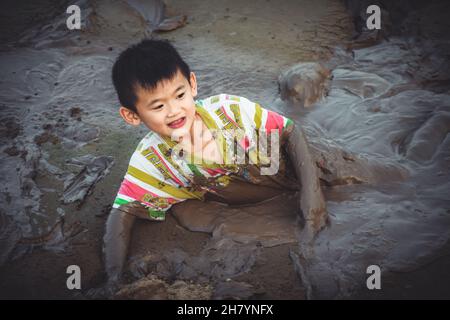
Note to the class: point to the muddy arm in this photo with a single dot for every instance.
(312, 201)
(115, 243)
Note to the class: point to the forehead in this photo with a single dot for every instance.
(163, 89)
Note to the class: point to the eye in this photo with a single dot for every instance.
(158, 107)
(181, 95)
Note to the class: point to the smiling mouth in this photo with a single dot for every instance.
(177, 123)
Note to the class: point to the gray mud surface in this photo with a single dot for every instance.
(376, 112)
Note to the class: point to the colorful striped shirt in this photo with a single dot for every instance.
(158, 176)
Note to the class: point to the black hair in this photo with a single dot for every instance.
(145, 64)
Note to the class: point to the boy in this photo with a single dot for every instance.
(190, 153)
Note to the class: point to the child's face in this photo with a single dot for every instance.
(168, 110)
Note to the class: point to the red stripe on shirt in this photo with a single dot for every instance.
(274, 121)
(132, 190)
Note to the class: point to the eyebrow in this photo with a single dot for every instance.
(156, 100)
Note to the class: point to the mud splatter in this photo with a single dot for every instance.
(379, 138)
(78, 186)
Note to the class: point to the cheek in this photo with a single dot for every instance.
(191, 111)
(155, 120)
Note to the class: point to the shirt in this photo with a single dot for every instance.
(159, 175)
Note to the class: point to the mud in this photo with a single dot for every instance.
(152, 288)
(226, 265)
(379, 139)
(78, 186)
(263, 222)
(397, 217)
(154, 14)
(304, 84)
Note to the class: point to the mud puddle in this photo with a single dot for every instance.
(379, 137)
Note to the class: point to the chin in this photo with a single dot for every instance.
(179, 132)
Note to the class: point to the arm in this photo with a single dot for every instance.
(115, 243)
(312, 201)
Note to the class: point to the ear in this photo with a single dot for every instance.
(129, 116)
(193, 83)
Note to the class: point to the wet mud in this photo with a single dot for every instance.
(374, 105)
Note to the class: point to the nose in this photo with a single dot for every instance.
(174, 109)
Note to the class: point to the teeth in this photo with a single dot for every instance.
(176, 121)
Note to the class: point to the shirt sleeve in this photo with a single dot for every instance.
(131, 193)
(255, 120)
(252, 116)
(144, 184)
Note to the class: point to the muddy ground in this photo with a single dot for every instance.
(387, 194)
